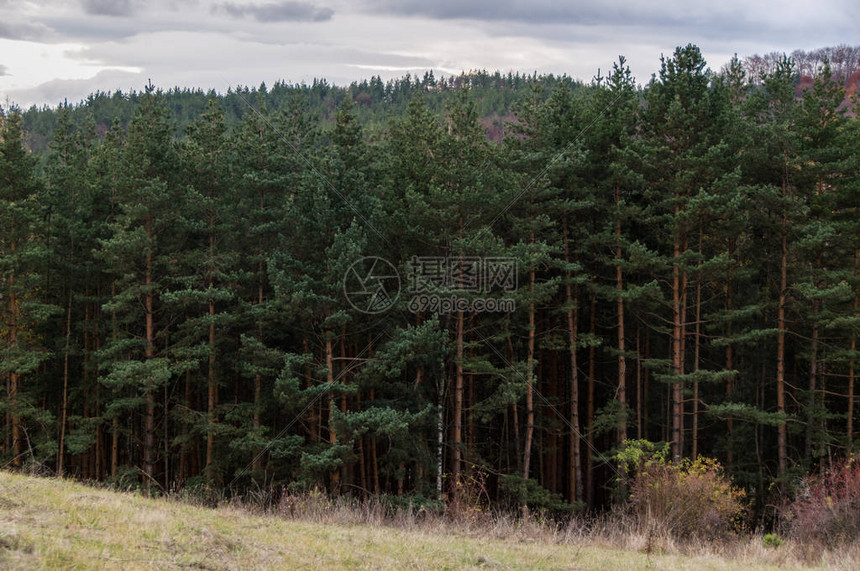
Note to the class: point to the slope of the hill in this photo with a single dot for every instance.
(56, 524)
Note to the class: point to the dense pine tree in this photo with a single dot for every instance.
(24, 309)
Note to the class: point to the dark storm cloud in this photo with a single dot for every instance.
(108, 7)
(278, 11)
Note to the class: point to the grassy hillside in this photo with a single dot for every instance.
(48, 524)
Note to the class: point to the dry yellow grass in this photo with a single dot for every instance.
(59, 524)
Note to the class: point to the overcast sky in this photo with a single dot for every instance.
(53, 49)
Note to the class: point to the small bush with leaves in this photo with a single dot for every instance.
(690, 498)
(469, 500)
(517, 491)
(827, 507)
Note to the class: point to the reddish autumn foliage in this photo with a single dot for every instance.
(827, 508)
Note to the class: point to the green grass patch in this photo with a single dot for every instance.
(48, 523)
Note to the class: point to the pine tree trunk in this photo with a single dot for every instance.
(314, 422)
(729, 361)
(149, 424)
(530, 412)
(65, 398)
(696, 348)
(374, 462)
(362, 466)
(457, 436)
(621, 390)
(362, 461)
(114, 441)
(7, 434)
(470, 418)
(677, 357)
(258, 384)
(813, 380)
(638, 385)
(684, 306)
(114, 446)
(589, 434)
(514, 408)
(780, 340)
(99, 443)
(646, 377)
(212, 381)
(553, 394)
(759, 428)
(575, 449)
(166, 401)
(85, 456)
(332, 435)
(440, 446)
(96, 346)
(849, 429)
(184, 463)
(13, 376)
(346, 469)
(212, 394)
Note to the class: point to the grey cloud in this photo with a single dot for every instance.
(536, 11)
(23, 31)
(732, 19)
(108, 7)
(91, 30)
(4, 70)
(278, 11)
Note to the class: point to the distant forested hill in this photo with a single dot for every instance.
(376, 101)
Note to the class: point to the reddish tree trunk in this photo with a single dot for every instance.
(530, 412)
(696, 349)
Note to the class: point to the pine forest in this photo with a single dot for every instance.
(429, 286)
